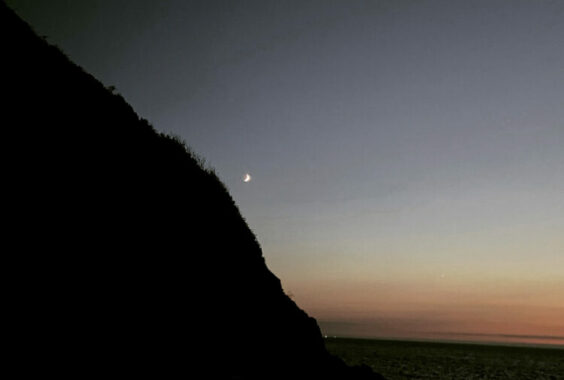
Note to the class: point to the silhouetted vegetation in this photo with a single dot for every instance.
(129, 257)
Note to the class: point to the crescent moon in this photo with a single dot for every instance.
(247, 178)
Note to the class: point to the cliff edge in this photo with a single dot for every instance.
(128, 257)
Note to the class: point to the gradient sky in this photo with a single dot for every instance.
(407, 156)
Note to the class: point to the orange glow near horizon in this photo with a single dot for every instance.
(486, 280)
(485, 310)
(483, 300)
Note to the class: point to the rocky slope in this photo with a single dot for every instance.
(127, 256)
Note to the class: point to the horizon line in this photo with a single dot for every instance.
(514, 336)
(559, 346)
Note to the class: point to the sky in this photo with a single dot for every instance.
(406, 157)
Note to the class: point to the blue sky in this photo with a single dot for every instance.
(406, 156)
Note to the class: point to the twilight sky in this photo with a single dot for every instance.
(407, 156)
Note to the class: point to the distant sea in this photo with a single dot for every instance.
(397, 359)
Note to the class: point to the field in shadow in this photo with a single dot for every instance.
(398, 360)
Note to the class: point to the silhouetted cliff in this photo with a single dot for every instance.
(127, 257)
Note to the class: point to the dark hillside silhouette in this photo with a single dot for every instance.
(126, 256)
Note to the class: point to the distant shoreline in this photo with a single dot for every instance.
(451, 341)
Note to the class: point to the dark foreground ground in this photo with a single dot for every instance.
(422, 360)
